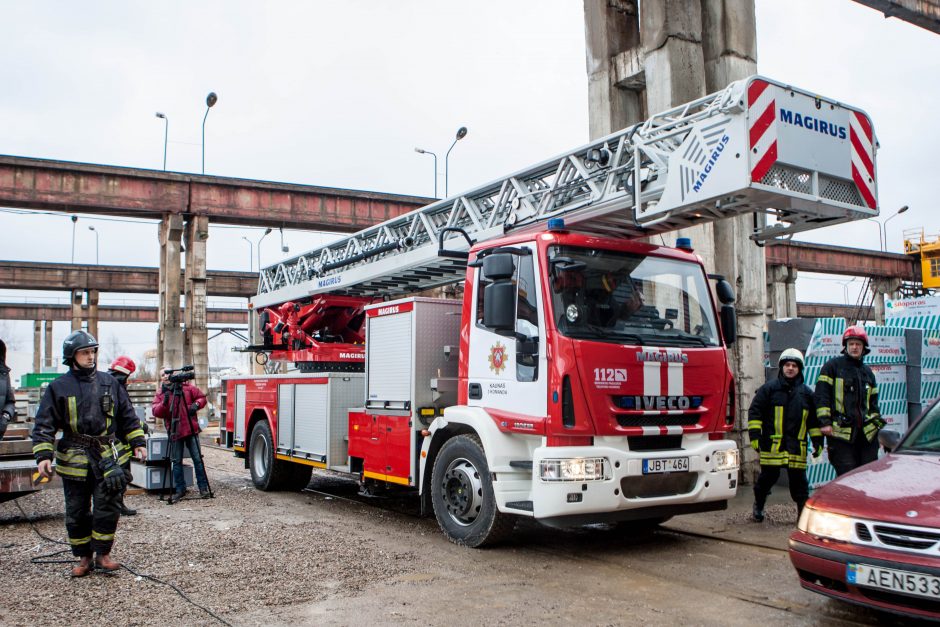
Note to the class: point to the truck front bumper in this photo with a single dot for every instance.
(701, 476)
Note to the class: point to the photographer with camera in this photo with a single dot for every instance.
(96, 418)
(177, 403)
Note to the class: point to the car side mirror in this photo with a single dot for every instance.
(499, 306)
(889, 439)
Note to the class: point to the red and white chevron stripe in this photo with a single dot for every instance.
(863, 157)
(762, 128)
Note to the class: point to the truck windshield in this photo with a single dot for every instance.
(618, 297)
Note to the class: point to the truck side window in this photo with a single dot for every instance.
(527, 322)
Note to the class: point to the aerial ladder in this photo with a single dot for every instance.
(756, 147)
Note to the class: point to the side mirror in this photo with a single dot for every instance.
(725, 292)
(499, 305)
(889, 439)
(729, 324)
(499, 266)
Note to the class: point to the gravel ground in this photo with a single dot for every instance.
(240, 551)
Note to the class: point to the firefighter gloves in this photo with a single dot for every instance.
(112, 475)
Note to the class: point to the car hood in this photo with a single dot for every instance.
(889, 490)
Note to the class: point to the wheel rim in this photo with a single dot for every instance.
(462, 490)
(259, 456)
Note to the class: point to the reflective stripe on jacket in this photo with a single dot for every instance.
(847, 399)
(780, 417)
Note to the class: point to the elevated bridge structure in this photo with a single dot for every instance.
(185, 204)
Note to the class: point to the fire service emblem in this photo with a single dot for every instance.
(497, 358)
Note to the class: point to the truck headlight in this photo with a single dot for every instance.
(575, 469)
(825, 524)
(725, 460)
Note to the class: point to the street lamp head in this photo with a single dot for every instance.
(91, 228)
(211, 99)
(268, 230)
(902, 209)
(461, 132)
(74, 218)
(420, 151)
(160, 115)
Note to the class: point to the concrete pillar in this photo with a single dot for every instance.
(614, 65)
(37, 346)
(777, 292)
(881, 288)
(791, 294)
(77, 296)
(197, 335)
(93, 313)
(48, 361)
(169, 333)
(671, 32)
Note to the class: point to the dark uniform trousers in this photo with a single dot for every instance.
(90, 532)
(796, 477)
(845, 456)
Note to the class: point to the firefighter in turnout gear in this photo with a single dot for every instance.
(121, 369)
(96, 417)
(847, 404)
(781, 416)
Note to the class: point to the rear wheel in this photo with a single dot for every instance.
(267, 472)
(462, 495)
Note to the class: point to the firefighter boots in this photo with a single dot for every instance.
(758, 512)
(104, 562)
(83, 567)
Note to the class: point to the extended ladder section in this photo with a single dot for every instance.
(755, 147)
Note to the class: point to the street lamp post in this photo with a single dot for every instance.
(211, 99)
(422, 151)
(93, 230)
(74, 220)
(166, 134)
(461, 133)
(266, 232)
(251, 252)
(884, 225)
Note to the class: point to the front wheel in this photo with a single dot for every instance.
(462, 495)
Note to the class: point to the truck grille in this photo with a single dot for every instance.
(679, 420)
(651, 486)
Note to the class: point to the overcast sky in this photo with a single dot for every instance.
(338, 94)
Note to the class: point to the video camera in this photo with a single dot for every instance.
(180, 375)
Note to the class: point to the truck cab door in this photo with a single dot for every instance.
(507, 367)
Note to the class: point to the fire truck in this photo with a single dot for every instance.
(582, 375)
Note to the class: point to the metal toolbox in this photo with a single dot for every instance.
(158, 449)
(158, 477)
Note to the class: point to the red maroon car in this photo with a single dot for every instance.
(872, 536)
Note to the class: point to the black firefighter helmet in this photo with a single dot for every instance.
(76, 341)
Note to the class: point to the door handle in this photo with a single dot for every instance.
(475, 392)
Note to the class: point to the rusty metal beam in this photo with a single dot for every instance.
(923, 13)
(137, 193)
(27, 275)
(111, 313)
(826, 310)
(840, 260)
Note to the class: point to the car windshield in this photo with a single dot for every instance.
(924, 436)
(621, 298)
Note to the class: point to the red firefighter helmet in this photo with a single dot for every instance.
(856, 332)
(124, 365)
